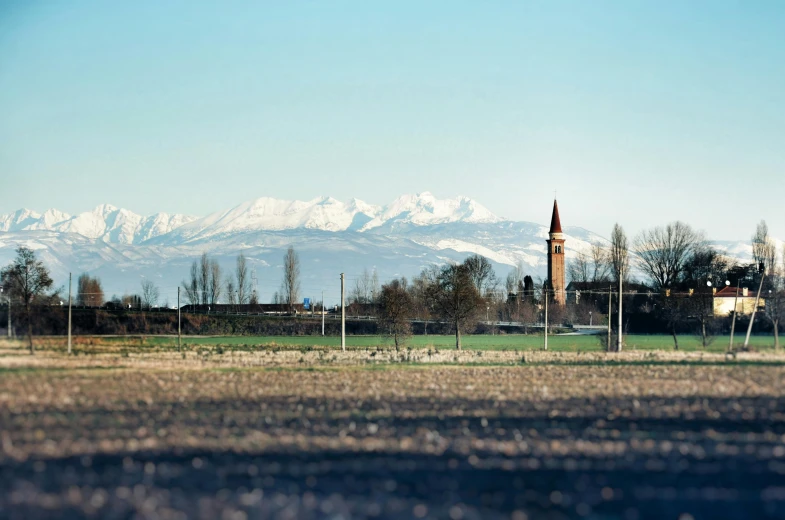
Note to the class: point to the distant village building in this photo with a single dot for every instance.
(556, 270)
(725, 298)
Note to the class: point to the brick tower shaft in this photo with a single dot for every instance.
(556, 268)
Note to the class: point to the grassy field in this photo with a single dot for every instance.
(562, 343)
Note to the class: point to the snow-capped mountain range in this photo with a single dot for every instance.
(113, 225)
(106, 223)
(332, 236)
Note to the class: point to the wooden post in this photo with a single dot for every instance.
(610, 311)
(754, 308)
(343, 316)
(621, 293)
(545, 292)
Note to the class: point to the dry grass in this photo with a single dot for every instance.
(106, 430)
(96, 352)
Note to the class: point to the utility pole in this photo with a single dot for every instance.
(752, 316)
(545, 292)
(610, 310)
(343, 317)
(621, 293)
(178, 320)
(733, 323)
(69, 313)
(322, 312)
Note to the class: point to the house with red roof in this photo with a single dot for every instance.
(742, 297)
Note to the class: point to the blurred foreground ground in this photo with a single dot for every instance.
(380, 434)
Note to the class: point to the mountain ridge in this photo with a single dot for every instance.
(118, 225)
(397, 239)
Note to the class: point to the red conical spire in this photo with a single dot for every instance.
(555, 222)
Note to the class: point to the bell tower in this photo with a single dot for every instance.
(556, 271)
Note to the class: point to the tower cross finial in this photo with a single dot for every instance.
(554, 194)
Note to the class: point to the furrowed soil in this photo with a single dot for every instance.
(141, 433)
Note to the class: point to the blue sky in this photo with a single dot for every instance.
(636, 112)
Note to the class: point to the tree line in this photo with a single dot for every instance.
(677, 271)
(673, 271)
(681, 271)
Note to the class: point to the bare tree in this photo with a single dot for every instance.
(191, 286)
(775, 310)
(89, 292)
(204, 279)
(214, 286)
(482, 274)
(515, 285)
(204, 284)
(291, 278)
(395, 309)
(515, 277)
(701, 306)
(26, 279)
(663, 252)
(764, 251)
(673, 310)
(706, 264)
(775, 301)
(578, 269)
(364, 290)
(421, 291)
(619, 254)
(376, 290)
(600, 262)
(243, 286)
(592, 265)
(511, 282)
(456, 298)
(231, 291)
(705, 270)
(150, 293)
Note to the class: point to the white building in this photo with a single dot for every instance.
(725, 298)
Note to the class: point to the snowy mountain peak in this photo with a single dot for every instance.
(48, 220)
(104, 222)
(424, 209)
(55, 215)
(18, 220)
(116, 225)
(269, 214)
(326, 201)
(104, 210)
